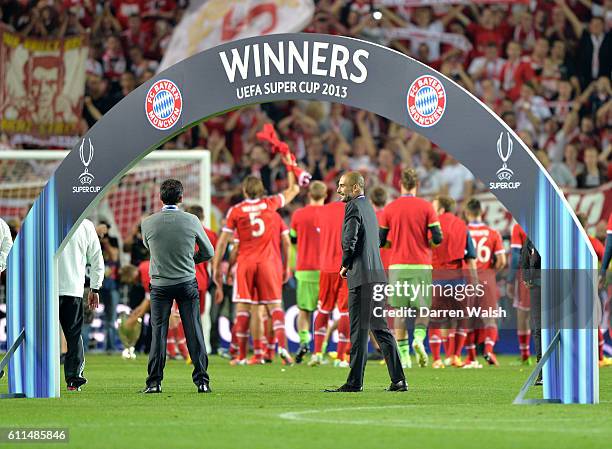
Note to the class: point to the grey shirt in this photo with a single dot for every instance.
(171, 237)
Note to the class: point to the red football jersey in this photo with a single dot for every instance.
(145, 279)
(201, 268)
(598, 247)
(303, 226)
(518, 238)
(252, 220)
(450, 253)
(385, 253)
(487, 242)
(278, 227)
(408, 219)
(329, 221)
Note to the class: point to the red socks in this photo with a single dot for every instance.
(278, 324)
(344, 331)
(320, 329)
(489, 339)
(524, 338)
(241, 328)
(435, 342)
(470, 346)
(460, 336)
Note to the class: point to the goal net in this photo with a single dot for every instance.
(24, 173)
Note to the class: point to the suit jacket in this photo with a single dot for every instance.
(360, 244)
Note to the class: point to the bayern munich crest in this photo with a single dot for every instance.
(163, 104)
(426, 101)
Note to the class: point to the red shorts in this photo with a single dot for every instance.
(491, 292)
(333, 291)
(258, 283)
(522, 300)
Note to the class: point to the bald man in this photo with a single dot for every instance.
(363, 268)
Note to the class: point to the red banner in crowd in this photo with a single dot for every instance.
(456, 40)
(42, 84)
(595, 203)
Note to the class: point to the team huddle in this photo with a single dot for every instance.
(422, 242)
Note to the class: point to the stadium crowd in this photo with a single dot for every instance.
(544, 68)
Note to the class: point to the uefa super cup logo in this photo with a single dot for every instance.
(504, 173)
(86, 177)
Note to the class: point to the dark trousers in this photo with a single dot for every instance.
(215, 314)
(188, 300)
(71, 320)
(362, 320)
(535, 294)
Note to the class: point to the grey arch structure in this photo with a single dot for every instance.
(319, 67)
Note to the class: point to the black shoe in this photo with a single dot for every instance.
(152, 389)
(344, 389)
(76, 384)
(398, 386)
(204, 388)
(538, 382)
(302, 351)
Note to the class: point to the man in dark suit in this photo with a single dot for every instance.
(363, 268)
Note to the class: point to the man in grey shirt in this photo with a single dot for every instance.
(171, 237)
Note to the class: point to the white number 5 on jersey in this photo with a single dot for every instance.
(259, 227)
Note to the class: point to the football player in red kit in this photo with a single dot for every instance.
(490, 258)
(447, 260)
(256, 266)
(305, 235)
(520, 294)
(333, 290)
(378, 198)
(263, 326)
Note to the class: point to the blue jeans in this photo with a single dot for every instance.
(110, 298)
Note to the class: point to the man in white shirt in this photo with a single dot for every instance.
(6, 242)
(82, 249)
(456, 180)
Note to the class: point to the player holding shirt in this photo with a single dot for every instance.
(407, 223)
(491, 258)
(448, 259)
(258, 319)
(333, 290)
(522, 302)
(256, 267)
(304, 233)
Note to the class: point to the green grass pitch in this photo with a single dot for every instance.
(276, 407)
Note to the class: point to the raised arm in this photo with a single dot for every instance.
(292, 189)
(577, 25)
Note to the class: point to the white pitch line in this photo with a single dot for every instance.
(441, 424)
